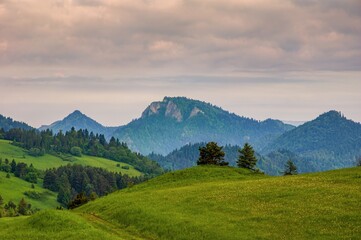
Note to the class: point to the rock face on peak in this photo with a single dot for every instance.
(167, 108)
(175, 121)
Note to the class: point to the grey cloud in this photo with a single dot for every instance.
(201, 36)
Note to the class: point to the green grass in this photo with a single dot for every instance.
(13, 189)
(226, 203)
(47, 161)
(213, 203)
(52, 224)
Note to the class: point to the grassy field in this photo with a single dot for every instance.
(13, 189)
(214, 203)
(48, 161)
(226, 203)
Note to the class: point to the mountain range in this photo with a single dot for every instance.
(329, 141)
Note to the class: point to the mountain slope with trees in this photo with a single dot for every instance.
(7, 123)
(75, 143)
(176, 121)
(78, 120)
(328, 142)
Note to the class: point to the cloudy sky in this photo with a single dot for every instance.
(284, 59)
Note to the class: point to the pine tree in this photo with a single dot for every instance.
(64, 195)
(211, 154)
(13, 166)
(246, 157)
(290, 168)
(22, 207)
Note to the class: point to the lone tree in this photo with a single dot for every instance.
(246, 158)
(211, 154)
(290, 168)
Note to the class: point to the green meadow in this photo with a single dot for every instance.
(9, 151)
(13, 189)
(211, 202)
(228, 203)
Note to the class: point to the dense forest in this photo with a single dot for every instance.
(72, 180)
(77, 143)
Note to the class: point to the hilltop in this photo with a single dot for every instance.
(78, 120)
(210, 202)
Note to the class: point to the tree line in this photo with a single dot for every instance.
(76, 143)
(214, 155)
(10, 209)
(73, 180)
(20, 170)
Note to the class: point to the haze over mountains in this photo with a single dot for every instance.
(330, 141)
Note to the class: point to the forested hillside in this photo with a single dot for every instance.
(78, 120)
(7, 123)
(79, 142)
(328, 142)
(177, 121)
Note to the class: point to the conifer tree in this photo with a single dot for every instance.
(23, 207)
(290, 168)
(211, 154)
(246, 157)
(64, 195)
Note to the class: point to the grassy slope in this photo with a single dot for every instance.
(48, 161)
(52, 224)
(213, 203)
(221, 203)
(13, 189)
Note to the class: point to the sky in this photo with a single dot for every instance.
(281, 59)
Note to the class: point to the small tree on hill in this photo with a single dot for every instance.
(211, 154)
(246, 158)
(23, 207)
(79, 200)
(290, 168)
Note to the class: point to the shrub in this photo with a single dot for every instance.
(76, 151)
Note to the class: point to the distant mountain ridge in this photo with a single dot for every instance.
(79, 120)
(331, 139)
(175, 121)
(8, 123)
